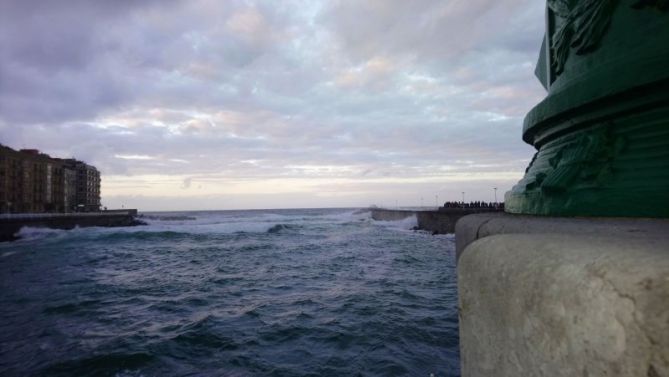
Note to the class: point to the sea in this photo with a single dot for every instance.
(304, 292)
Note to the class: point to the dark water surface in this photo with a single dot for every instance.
(235, 293)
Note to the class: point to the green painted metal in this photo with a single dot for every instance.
(602, 133)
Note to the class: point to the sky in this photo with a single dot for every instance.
(225, 104)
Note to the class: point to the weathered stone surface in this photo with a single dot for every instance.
(472, 227)
(593, 303)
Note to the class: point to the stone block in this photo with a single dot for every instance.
(543, 303)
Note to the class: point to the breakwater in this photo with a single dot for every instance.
(10, 224)
(437, 221)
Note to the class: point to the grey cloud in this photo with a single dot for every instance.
(432, 29)
(388, 88)
(187, 183)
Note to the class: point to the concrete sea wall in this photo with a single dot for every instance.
(381, 214)
(441, 221)
(10, 224)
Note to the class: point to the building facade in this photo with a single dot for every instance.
(11, 179)
(34, 182)
(87, 186)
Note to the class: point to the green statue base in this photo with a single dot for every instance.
(602, 134)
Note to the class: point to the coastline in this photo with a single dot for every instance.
(11, 224)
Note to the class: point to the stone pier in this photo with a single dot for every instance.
(438, 221)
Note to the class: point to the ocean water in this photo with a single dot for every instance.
(231, 293)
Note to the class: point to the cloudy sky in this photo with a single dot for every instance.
(224, 104)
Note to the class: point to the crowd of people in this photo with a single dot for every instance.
(476, 204)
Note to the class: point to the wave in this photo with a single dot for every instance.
(408, 223)
(30, 234)
(277, 216)
(27, 233)
(231, 222)
(281, 228)
(198, 226)
(143, 235)
(153, 231)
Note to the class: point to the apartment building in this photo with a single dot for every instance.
(34, 182)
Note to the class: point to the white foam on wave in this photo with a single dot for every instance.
(204, 223)
(209, 226)
(403, 224)
(28, 233)
(211, 218)
(220, 227)
(247, 222)
(231, 226)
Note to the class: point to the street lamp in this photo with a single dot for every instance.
(495, 188)
(436, 200)
(463, 198)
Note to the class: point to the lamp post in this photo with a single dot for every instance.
(436, 200)
(463, 198)
(495, 188)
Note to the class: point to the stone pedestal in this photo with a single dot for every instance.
(548, 296)
(563, 297)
